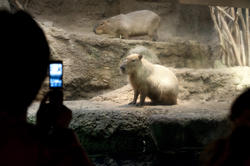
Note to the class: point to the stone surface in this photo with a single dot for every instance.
(5, 4)
(108, 127)
(188, 129)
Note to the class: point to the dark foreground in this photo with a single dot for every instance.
(184, 157)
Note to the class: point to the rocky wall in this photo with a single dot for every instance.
(91, 63)
(119, 133)
(177, 20)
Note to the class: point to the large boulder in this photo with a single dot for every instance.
(109, 128)
(4, 4)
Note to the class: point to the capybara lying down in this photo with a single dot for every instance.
(152, 80)
(138, 23)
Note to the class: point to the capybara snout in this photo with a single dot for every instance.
(98, 29)
(122, 68)
(130, 64)
(95, 26)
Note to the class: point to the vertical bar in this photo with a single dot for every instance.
(247, 37)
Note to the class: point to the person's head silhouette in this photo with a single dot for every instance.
(25, 58)
(240, 110)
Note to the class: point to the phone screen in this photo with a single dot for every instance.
(56, 74)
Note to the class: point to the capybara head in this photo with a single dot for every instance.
(103, 27)
(131, 63)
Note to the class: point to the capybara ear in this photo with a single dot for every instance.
(140, 56)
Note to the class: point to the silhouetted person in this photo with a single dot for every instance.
(24, 63)
(233, 150)
(53, 119)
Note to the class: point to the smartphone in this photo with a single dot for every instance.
(56, 74)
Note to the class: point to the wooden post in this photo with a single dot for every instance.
(244, 58)
(247, 38)
(233, 30)
(19, 5)
(235, 48)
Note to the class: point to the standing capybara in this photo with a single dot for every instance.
(152, 80)
(142, 22)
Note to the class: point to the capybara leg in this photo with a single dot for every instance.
(142, 100)
(175, 101)
(153, 36)
(136, 94)
(125, 36)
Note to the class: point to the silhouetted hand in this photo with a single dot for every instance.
(52, 113)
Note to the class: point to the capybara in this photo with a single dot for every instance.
(137, 23)
(155, 81)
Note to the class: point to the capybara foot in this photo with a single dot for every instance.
(132, 103)
(140, 104)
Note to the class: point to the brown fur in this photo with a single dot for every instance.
(150, 80)
(142, 22)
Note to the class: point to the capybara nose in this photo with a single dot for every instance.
(94, 29)
(122, 68)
